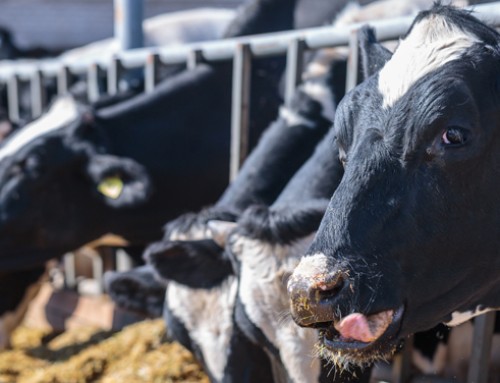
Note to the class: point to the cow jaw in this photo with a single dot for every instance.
(359, 339)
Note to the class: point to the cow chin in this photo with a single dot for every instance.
(348, 353)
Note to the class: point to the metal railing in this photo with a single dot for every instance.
(293, 44)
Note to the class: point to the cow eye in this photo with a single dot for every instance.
(454, 136)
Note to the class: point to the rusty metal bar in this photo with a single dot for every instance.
(481, 348)
(38, 97)
(294, 67)
(240, 108)
(13, 98)
(151, 72)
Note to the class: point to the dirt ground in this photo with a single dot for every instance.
(139, 353)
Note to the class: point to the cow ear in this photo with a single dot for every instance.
(220, 230)
(197, 264)
(373, 54)
(120, 182)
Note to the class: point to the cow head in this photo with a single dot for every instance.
(412, 233)
(54, 180)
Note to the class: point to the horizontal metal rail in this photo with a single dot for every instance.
(259, 45)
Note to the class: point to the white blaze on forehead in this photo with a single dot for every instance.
(432, 43)
(62, 112)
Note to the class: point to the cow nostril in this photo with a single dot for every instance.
(331, 289)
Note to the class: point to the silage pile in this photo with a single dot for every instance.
(137, 354)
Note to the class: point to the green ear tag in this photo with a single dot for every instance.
(111, 187)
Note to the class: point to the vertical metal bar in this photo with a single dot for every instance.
(13, 98)
(37, 94)
(194, 58)
(123, 261)
(481, 348)
(294, 67)
(63, 80)
(128, 30)
(151, 72)
(69, 270)
(98, 272)
(128, 23)
(114, 73)
(240, 108)
(401, 366)
(93, 82)
(352, 61)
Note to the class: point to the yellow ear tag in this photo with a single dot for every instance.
(111, 187)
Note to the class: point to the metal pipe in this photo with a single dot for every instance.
(265, 45)
(151, 72)
(481, 348)
(294, 67)
(63, 80)
(352, 61)
(13, 98)
(194, 58)
(37, 94)
(114, 72)
(128, 23)
(93, 75)
(240, 108)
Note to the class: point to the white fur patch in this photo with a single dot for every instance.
(263, 273)
(292, 118)
(311, 266)
(432, 43)
(461, 317)
(319, 92)
(195, 233)
(61, 113)
(207, 316)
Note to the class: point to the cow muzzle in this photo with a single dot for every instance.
(325, 301)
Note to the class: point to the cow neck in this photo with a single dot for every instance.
(317, 178)
(278, 155)
(179, 112)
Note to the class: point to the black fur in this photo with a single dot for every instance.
(412, 209)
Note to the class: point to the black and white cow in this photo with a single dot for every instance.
(78, 173)
(74, 175)
(265, 246)
(195, 267)
(411, 233)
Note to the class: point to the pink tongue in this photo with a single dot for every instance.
(355, 327)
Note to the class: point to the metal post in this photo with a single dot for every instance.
(128, 29)
(114, 72)
(13, 98)
(194, 58)
(151, 72)
(63, 80)
(352, 61)
(401, 367)
(294, 67)
(69, 270)
(481, 348)
(37, 94)
(93, 75)
(240, 108)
